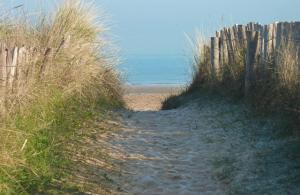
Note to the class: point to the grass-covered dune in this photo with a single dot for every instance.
(59, 93)
(277, 94)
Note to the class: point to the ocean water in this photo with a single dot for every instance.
(156, 70)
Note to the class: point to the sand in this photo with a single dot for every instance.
(208, 146)
(147, 98)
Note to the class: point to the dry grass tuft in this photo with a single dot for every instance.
(201, 61)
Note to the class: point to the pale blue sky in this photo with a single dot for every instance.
(152, 27)
(158, 27)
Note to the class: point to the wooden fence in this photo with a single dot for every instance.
(260, 44)
(18, 64)
(19, 68)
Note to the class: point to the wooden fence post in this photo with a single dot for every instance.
(3, 66)
(230, 46)
(13, 68)
(21, 67)
(252, 41)
(3, 79)
(240, 36)
(215, 56)
(224, 56)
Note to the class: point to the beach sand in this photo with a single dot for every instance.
(150, 97)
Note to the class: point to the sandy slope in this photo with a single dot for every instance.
(147, 98)
(209, 146)
(144, 102)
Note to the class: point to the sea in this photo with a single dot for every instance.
(156, 70)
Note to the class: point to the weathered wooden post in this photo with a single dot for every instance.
(252, 41)
(270, 44)
(278, 37)
(215, 57)
(3, 56)
(265, 58)
(259, 53)
(20, 79)
(224, 50)
(13, 68)
(3, 66)
(230, 47)
(240, 36)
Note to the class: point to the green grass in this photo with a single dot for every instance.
(44, 154)
(74, 85)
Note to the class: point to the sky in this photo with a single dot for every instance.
(159, 27)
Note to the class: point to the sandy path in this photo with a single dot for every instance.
(165, 155)
(212, 147)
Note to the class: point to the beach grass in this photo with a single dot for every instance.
(77, 83)
(277, 93)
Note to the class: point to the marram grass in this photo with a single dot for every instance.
(77, 82)
(278, 92)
